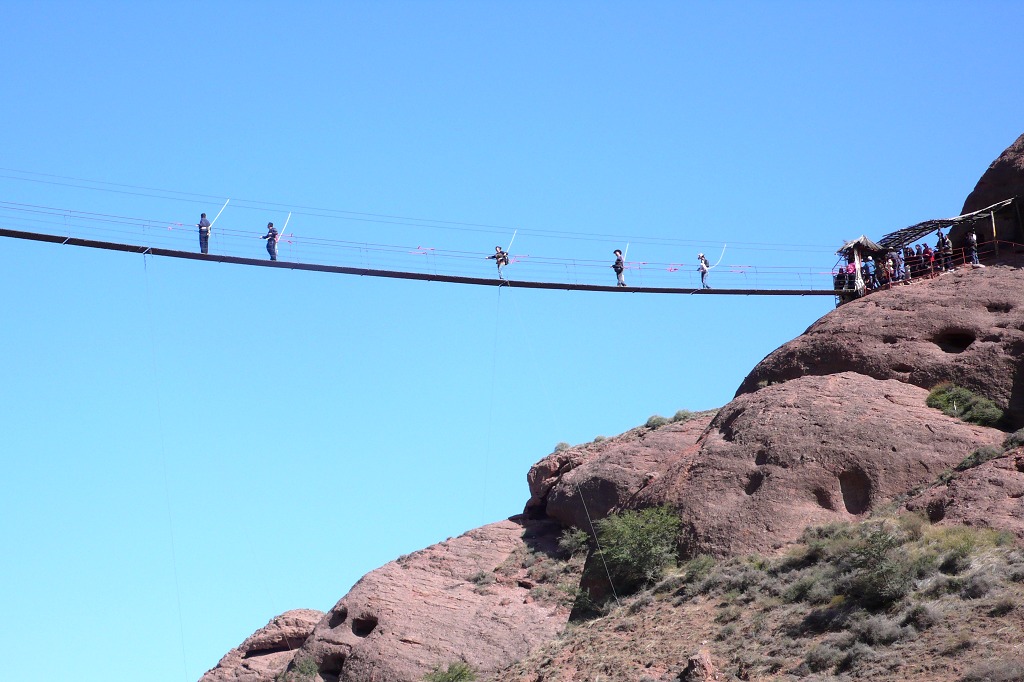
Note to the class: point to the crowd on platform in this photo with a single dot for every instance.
(901, 265)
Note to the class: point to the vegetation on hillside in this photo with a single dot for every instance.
(890, 598)
(957, 401)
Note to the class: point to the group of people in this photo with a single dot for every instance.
(501, 258)
(206, 227)
(900, 266)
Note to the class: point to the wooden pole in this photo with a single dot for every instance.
(995, 237)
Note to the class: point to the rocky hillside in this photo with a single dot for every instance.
(829, 432)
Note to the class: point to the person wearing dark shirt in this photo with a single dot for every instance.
(204, 234)
(500, 257)
(272, 238)
(619, 267)
(972, 246)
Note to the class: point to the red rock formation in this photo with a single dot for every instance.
(990, 495)
(808, 451)
(608, 473)
(1004, 179)
(436, 606)
(268, 651)
(965, 327)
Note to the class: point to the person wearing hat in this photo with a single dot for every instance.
(204, 234)
(272, 238)
(704, 268)
(501, 258)
(619, 267)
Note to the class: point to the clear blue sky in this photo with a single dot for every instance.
(191, 448)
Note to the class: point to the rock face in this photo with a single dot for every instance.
(1004, 179)
(809, 451)
(965, 327)
(443, 604)
(607, 473)
(268, 651)
(990, 495)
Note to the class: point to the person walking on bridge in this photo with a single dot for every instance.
(619, 266)
(500, 257)
(272, 238)
(704, 268)
(204, 234)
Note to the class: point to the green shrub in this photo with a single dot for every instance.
(957, 401)
(456, 672)
(562, 447)
(682, 416)
(574, 541)
(305, 669)
(637, 546)
(979, 456)
(1014, 440)
(656, 421)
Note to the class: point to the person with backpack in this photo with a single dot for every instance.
(500, 257)
(704, 267)
(272, 238)
(619, 267)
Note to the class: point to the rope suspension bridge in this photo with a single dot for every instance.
(318, 254)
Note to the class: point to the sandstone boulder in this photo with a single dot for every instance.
(268, 651)
(598, 477)
(1004, 179)
(990, 495)
(467, 598)
(965, 327)
(808, 451)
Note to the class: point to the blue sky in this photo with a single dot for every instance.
(191, 448)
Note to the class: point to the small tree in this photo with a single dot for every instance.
(637, 546)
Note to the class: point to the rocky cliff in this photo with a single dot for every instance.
(831, 427)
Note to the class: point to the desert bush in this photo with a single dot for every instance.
(1014, 440)
(979, 456)
(978, 585)
(574, 541)
(957, 401)
(562, 447)
(922, 616)
(879, 576)
(482, 578)
(637, 546)
(600, 439)
(1002, 607)
(656, 421)
(682, 416)
(995, 671)
(823, 657)
(878, 630)
(455, 672)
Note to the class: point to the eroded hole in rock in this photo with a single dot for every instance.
(954, 341)
(856, 489)
(338, 617)
(889, 338)
(331, 665)
(999, 307)
(289, 644)
(824, 499)
(364, 625)
(761, 457)
(936, 511)
(754, 482)
(726, 426)
(902, 367)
